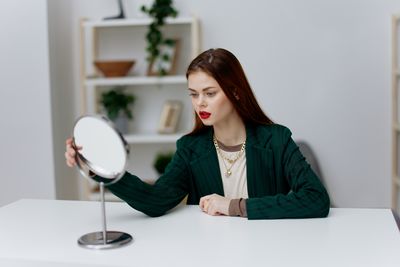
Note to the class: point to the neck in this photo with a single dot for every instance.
(230, 133)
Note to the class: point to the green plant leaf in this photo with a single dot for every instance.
(159, 11)
(116, 101)
(165, 57)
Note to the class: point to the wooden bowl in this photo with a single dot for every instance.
(115, 68)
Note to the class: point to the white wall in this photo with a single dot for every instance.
(65, 102)
(26, 159)
(322, 68)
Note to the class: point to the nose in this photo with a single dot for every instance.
(201, 102)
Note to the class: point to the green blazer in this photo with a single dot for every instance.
(280, 182)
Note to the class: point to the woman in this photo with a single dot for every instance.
(235, 162)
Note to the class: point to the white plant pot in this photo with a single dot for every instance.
(122, 123)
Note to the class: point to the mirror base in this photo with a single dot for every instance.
(95, 240)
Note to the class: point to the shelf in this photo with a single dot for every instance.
(134, 22)
(138, 80)
(152, 138)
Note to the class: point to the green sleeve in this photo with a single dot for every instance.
(154, 200)
(307, 198)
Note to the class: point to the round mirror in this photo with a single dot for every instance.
(104, 151)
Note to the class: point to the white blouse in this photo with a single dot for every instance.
(235, 185)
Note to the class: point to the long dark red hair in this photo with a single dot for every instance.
(226, 69)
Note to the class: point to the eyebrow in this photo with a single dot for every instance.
(204, 89)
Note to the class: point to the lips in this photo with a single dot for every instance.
(204, 115)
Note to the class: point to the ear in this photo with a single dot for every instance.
(236, 95)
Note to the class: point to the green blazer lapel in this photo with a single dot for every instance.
(205, 165)
(259, 161)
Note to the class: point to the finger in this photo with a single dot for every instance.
(213, 208)
(211, 211)
(201, 203)
(215, 212)
(204, 204)
(72, 163)
(70, 143)
(69, 163)
(71, 153)
(67, 147)
(74, 149)
(70, 159)
(209, 207)
(203, 200)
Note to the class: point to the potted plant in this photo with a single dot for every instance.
(162, 160)
(158, 11)
(117, 105)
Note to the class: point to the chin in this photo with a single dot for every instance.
(207, 123)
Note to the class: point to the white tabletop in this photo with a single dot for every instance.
(45, 233)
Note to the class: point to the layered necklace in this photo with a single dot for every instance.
(230, 161)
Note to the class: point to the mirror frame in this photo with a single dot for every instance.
(87, 168)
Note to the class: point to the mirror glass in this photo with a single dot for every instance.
(104, 150)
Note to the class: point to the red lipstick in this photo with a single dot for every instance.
(204, 115)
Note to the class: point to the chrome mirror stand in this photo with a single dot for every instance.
(104, 239)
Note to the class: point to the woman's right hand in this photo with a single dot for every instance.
(70, 153)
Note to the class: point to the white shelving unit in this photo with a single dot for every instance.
(152, 138)
(136, 22)
(395, 115)
(125, 39)
(135, 81)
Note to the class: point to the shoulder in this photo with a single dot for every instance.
(275, 129)
(271, 135)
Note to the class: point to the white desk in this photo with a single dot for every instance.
(45, 232)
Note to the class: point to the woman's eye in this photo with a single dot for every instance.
(193, 94)
(211, 94)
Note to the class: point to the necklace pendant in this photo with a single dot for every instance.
(228, 173)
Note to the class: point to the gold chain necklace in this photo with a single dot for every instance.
(228, 171)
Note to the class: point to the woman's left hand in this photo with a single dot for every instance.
(215, 205)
